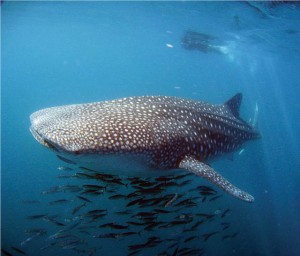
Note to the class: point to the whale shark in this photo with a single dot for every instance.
(146, 135)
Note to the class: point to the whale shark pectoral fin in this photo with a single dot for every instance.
(205, 171)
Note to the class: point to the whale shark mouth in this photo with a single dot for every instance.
(42, 140)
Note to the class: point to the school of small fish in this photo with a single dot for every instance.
(94, 212)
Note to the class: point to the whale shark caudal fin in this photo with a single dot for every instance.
(205, 171)
(254, 121)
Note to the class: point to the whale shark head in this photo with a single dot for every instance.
(117, 126)
(60, 128)
(98, 135)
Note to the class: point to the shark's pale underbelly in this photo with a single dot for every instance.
(126, 164)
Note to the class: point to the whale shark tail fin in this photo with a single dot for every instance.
(254, 121)
(234, 104)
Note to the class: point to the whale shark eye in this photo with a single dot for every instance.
(76, 152)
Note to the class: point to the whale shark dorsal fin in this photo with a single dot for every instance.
(203, 170)
(234, 104)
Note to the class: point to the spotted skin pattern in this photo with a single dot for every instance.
(162, 130)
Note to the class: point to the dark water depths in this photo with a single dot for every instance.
(72, 52)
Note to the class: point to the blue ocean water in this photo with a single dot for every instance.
(57, 53)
